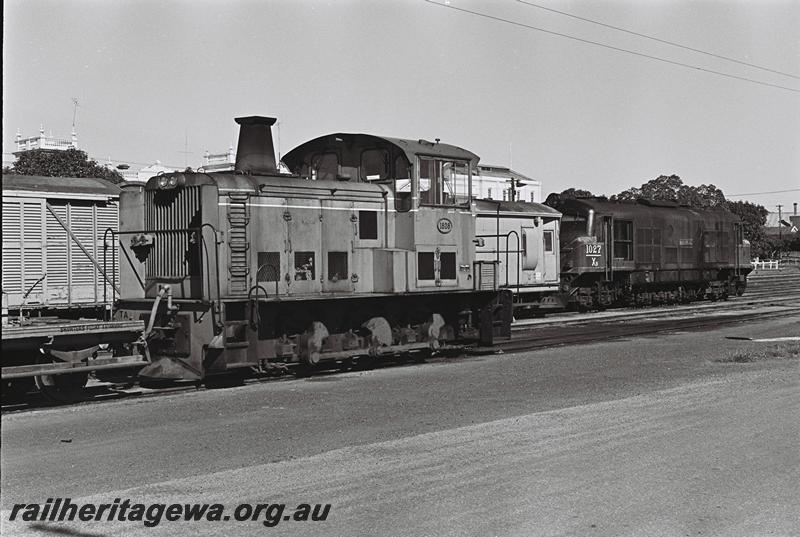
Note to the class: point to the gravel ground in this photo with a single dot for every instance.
(656, 436)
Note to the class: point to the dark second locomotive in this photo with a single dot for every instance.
(648, 252)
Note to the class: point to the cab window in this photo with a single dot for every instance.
(402, 185)
(324, 167)
(374, 165)
(443, 182)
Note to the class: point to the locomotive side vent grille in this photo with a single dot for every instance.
(174, 253)
(485, 275)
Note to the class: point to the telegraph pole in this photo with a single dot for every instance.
(780, 223)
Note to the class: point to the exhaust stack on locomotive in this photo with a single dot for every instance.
(255, 153)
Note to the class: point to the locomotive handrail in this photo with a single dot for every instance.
(205, 248)
(508, 235)
(277, 278)
(256, 287)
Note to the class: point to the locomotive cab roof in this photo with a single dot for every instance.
(351, 145)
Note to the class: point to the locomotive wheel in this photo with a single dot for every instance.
(63, 389)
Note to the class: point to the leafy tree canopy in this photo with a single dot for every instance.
(571, 193)
(671, 188)
(754, 217)
(555, 199)
(69, 163)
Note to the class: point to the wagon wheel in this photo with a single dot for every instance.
(16, 389)
(63, 389)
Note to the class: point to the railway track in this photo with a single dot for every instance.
(594, 331)
(555, 330)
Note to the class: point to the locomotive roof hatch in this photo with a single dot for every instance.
(294, 159)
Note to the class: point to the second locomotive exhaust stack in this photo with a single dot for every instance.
(255, 153)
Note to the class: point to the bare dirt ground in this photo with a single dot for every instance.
(683, 434)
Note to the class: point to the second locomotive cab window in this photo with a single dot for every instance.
(367, 225)
(337, 266)
(303, 266)
(269, 266)
(623, 239)
(443, 182)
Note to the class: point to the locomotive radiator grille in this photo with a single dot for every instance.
(166, 212)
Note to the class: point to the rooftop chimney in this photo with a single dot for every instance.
(255, 153)
(795, 208)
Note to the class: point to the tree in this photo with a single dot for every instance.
(754, 217)
(572, 193)
(671, 188)
(662, 188)
(555, 200)
(69, 163)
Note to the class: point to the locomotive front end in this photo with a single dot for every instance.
(169, 250)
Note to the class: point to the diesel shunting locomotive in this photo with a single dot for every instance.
(366, 248)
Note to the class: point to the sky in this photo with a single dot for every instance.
(163, 80)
